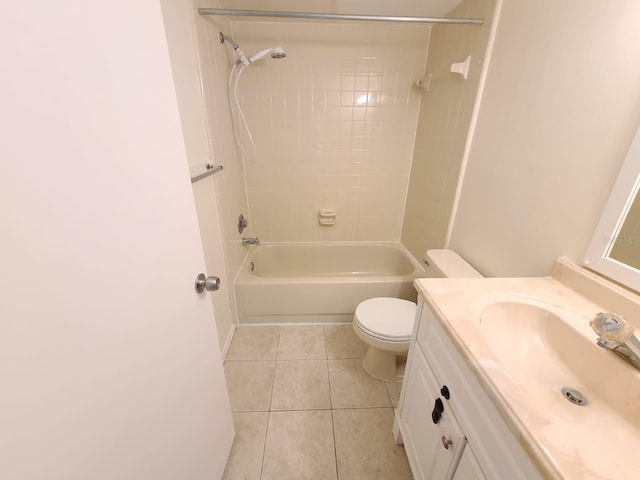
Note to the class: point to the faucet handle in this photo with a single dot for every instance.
(612, 327)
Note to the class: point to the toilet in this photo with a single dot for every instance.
(385, 324)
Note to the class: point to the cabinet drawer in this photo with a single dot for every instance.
(494, 444)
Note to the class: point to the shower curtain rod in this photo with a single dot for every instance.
(338, 16)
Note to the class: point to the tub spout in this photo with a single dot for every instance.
(250, 241)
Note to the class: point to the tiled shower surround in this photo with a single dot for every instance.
(340, 124)
(334, 126)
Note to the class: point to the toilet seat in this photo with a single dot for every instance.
(385, 318)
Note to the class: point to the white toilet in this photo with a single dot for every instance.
(385, 324)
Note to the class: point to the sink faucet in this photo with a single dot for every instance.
(250, 241)
(616, 334)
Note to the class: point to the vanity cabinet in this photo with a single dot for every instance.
(468, 439)
(435, 439)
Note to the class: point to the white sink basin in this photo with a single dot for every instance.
(544, 348)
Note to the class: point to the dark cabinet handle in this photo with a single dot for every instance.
(438, 408)
(444, 391)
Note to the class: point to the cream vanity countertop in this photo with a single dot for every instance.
(600, 440)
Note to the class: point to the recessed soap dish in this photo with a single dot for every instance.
(327, 216)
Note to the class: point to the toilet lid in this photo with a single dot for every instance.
(387, 318)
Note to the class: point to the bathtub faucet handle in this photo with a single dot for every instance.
(250, 241)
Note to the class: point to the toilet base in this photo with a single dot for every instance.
(384, 365)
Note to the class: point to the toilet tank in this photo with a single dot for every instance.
(447, 263)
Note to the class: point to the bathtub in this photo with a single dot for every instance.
(320, 283)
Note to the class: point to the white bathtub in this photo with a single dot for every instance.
(311, 283)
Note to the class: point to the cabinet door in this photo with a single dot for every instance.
(433, 449)
(468, 467)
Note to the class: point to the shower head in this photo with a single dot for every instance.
(275, 52)
(278, 53)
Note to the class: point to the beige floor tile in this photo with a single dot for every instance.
(299, 446)
(301, 385)
(245, 459)
(342, 342)
(353, 387)
(365, 448)
(298, 342)
(249, 385)
(394, 389)
(254, 343)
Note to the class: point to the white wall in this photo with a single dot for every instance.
(560, 106)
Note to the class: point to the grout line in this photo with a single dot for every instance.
(273, 382)
(362, 408)
(311, 359)
(386, 387)
(324, 332)
(250, 411)
(300, 410)
(264, 448)
(316, 409)
(278, 343)
(335, 446)
(250, 360)
(333, 426)
(326, 347)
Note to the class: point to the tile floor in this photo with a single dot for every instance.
(304, 408)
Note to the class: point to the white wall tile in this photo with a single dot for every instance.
(334, 126)
(443, 124)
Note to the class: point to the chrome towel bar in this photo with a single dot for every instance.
(211, 169)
